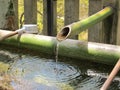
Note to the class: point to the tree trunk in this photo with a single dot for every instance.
(7, 16)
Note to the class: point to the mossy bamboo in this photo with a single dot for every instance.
(77, 27)
(96, 52)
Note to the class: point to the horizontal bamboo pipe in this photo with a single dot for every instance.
(96, 52)
(77, 27)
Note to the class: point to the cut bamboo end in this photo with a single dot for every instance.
(64, 33)
(79, 26)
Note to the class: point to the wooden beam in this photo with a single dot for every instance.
(30, 11)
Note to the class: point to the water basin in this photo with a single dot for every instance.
(23, 70)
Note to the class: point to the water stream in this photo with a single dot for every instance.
(57, 49)
(56, 59)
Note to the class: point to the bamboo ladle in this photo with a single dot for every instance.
(28, 28)
(111, 76)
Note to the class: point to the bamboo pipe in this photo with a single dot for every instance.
(28, 28)
(95, 52)
(77, 27)
(8, 35)
(111, 76)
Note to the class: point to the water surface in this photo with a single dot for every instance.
(26, 70)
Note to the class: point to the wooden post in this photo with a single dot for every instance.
(30, 11)
(94, 33)
(101, 32)
(71, 12)
(44, 31)
(110, 24)
(49, 17)
(15, 3)
(118, 24)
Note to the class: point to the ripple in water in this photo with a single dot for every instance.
(29, 68)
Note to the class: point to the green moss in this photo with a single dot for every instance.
(3, 67)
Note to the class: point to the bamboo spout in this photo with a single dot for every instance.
(64, 33)
(77, 27)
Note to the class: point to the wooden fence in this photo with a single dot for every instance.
(103, 32)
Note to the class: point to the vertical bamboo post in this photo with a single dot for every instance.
(30, 11)
(71, 12)
(49, 17)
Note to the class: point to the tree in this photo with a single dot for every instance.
(7, 16)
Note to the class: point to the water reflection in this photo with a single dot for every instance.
(30, 72)
(30, 68)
